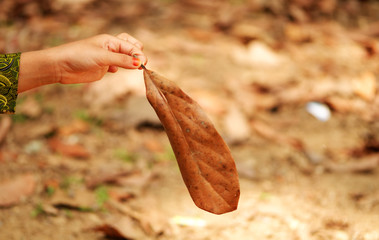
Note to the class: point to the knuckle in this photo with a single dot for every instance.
(123, 36)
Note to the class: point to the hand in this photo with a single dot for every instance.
(80, 62)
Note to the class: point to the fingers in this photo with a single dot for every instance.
(131, 46)
(115, 60)
(126, 37)
(122, 51)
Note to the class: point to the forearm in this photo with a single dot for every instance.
(37, 68)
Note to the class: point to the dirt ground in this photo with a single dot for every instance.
(101, 167)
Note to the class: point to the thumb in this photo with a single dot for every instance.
(121, 60)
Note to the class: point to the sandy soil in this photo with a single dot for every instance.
(293, 181)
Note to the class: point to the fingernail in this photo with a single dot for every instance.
(136, 62)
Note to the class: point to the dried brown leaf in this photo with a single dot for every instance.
(365, 86)
(271, 134)
(122, 227)
(120, 195)
(205, 161)
(105, 176)
(15, 190)
(143, 220)
(77, 126)
(70, 150)
(366, 164)
(79, 199)
(236, 125)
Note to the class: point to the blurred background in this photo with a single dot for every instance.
(290, 85)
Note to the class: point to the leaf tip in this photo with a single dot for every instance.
(219, 207)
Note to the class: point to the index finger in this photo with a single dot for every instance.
(126, 47)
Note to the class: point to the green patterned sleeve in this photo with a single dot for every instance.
(9, 68)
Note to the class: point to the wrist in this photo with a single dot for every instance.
(37, 68)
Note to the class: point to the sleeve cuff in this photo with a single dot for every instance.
(9, 69)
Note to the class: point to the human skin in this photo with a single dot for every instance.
(82, 61)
